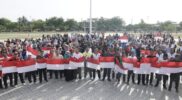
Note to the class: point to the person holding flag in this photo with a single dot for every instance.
(77, 55)
(96, 56)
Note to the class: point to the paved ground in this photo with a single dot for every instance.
(87, 90)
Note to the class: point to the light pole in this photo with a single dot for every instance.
(90, 32)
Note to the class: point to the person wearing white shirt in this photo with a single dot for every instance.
(96, 56)
(78, 55)
(162, 57)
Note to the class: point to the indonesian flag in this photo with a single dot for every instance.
(123, 39)
(145, 66)
(120, 68)
(127, 63)
(32, 52)
(107, 62)
(170, 67)
(93, 63)
(155, 67)
(67, 65)
(41, 63)
(74, 62)
(9, 67)
(55, 64)
(26, 66)
(46, 49)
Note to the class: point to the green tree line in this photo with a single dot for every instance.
(99, 25)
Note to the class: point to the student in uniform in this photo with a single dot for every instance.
(96, 56)
(86, 55)
(78, 55)
(107, 71)
(42, 72)
(175, 77)
(32, 73)
(162, 57)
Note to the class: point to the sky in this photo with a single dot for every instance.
(132, 11)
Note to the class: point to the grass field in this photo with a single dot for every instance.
(4, 36)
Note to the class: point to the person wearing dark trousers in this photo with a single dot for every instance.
(149, 79)
(5, 79)
(131, 74)
(78, 55)
(174, 78)
(159, 77)
(42, 73)
(87, 70)
(141, 77)
(31, 75)
(107, 71)
(79, 73)
(61, 73)
(1, 84)
(98, 73)
(16, 78)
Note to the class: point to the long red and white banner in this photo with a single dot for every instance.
(146, 66)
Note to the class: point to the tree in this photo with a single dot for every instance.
(71, 25)
(23, 23)
(38, 25)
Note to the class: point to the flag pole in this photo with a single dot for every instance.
(90, 17)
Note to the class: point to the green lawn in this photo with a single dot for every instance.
(4, 36)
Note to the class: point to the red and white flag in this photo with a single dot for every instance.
(32, 52)
(74, 62)
(123, 39)
(127, 63)
(26, 66)
(55, 64)
(170, 67)
(9, 67)
(107, 62)
(93, 63)
(119, 67)
(41, 63)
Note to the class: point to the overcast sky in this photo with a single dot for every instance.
(149, 10)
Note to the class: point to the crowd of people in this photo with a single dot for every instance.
(93, 46)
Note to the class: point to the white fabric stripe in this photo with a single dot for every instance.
(118, 69)
(107, 64)
(68, 66)
(41, 65)
(128, 66)
(55, 67)
(10, 69)
(26, 69)
(75, 64)
(32, 55)
(93, 66)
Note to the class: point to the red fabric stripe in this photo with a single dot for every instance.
(94, 61)
(106, 59)
(43, 60)
(127, 60)
(25, 63)
(55, 61)
(33, 51)
(77, 60)
(8, 63)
